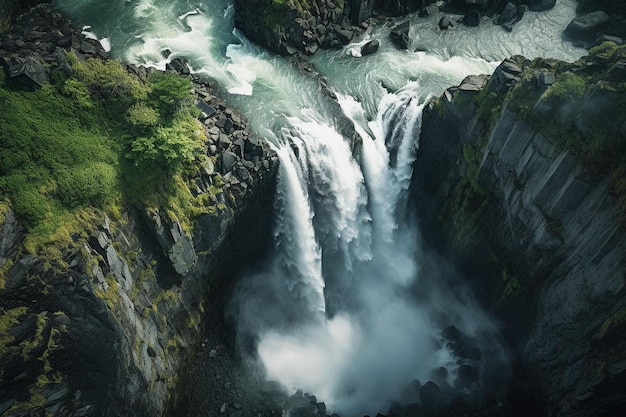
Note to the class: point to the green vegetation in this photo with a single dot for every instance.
(94, 141)
(488, 105)
(8, 319)
(568, 87)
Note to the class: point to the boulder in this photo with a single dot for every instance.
(229, 159)
(508, 15)
(466, 376)
(587, 27)
(370, 47)
(400, 35)
(472, 18)
(344, 35)
(446, 22)
(539, 5)
(29, 72)
(206, 110)
(178, 65)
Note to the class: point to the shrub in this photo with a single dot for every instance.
(110, 80)
(88, 184)
(30, 206)
(169, 93)
(79, 92)
(568, 87)
(142, 116)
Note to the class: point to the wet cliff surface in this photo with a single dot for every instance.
(518, 178)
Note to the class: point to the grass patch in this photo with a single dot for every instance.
(94, 142)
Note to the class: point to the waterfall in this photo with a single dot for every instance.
(343, 308)
(339, 228)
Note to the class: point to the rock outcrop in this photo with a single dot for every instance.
(597, 21)
(518, 178)
(108, 322)
(290, 27)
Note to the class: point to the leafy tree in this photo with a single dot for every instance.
(170, 148)
(142, 116)
(170, 93)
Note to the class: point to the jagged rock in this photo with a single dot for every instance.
(229, 160)
(473, 83)
(178, 65)
(400, 35)
(370, 47)
(206, 110)
(29, 72)
(344, 35)
(87, 48)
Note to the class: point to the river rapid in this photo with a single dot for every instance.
(349, 307)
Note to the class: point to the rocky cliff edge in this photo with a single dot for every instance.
(519, 177)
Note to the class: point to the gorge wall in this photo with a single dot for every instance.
(106, 319)
(519, 178)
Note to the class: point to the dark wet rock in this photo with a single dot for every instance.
(472, 18)
(400, 35)
(508, 14)
(370, 47)
(205, 109)
(587, 27)
(446, 22)
(178, 65)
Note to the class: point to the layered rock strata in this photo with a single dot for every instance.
(523, 190)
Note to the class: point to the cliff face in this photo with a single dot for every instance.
(110, 329)
(504, 187)
(106, 319)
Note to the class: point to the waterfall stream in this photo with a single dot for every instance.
(332, 311)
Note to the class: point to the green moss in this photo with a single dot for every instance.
(488, 106)
(8, 319)
(27, 347)
(568, 87)
(111, 296)
(605, 50)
